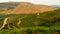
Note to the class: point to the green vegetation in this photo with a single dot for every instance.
(44, 23)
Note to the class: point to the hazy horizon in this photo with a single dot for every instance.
(45, 2)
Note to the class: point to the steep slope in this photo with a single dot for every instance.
(25, 8)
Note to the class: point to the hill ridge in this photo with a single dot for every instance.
(25, 8)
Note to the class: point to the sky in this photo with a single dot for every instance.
(45, 2)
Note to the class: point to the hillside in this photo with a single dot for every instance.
(28, 18)
(44, 23)
(23, 8)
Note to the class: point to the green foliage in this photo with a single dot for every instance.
(44, 23)
(26, 30)
(31, 30)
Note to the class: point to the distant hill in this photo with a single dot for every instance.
(23, 8)
(57, 6)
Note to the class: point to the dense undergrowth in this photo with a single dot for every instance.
(39, 23)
